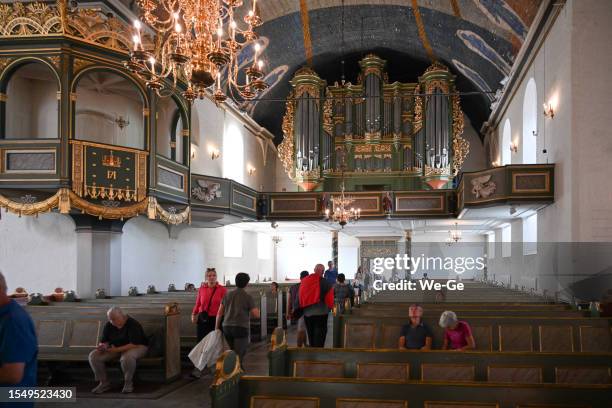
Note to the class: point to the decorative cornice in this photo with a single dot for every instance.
(90, 25)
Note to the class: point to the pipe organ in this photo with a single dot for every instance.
(375, 134)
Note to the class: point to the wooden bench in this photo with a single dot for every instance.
(466, 313)
(70, 335)
(231, 389)
(186, 302)
(490, 333)
(500, 367)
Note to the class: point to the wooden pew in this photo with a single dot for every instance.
(70, 334)
(416, 365)
(505, 333)
(186, 302)
(231, 389)
(466, 313)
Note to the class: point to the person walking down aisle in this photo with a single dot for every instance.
(331, 274)
(316, 296)
(207, 305)
(342, 291)
(18, 345)
(237, 308)
(295, 313)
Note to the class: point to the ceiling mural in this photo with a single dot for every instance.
(477, 39)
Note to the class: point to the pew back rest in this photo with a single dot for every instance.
(70, 335)
(545, 335)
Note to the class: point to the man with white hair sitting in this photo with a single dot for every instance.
(122, 338)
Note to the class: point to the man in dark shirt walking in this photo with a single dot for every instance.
(122, 338)
(18, 346)
(237, 308)
(415, 335)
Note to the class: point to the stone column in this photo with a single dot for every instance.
(98, 256)
(335, 248)
(275, 260)
(408, 252)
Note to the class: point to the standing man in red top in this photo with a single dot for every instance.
(207, 305)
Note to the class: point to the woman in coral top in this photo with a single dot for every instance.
(207, 305)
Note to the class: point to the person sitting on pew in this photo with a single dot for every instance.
(415, 335)
(204, 312)
(457, 334)
(236, 310)
(342, 291)
(124, 339)
(18, 345)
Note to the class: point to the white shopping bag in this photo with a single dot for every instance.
(207, 351)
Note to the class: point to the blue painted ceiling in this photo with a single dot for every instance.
(478, 40)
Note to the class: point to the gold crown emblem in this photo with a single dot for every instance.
(111, 161)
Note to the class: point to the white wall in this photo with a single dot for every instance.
(574, 233)
(434, 244)
(212, 123)
(39, 254)
(149, 256)
(292, 258)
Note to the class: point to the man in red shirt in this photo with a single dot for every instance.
(207, 305)
(316, 296)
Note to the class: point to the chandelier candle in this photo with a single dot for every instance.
(193, 49)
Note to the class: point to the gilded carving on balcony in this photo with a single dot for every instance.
(461, 147)
(328, 124)
(285, 148)
(40, 19)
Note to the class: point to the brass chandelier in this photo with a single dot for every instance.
(342, 212)
(197, 41)
(453, 236)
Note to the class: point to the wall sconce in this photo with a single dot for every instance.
(549, 112)
(251, 170)
(214, 152)
(513, 147)
(194, 150)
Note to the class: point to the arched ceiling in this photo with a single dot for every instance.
(477, 39)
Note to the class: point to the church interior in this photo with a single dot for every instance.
(437, 167)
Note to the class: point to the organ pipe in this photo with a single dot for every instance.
(410, 128)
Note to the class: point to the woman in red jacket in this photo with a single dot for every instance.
(207, 305)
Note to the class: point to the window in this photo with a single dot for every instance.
(109, 110)
(170, 130)
(507, 241)
(263, 246)
(506, 153)
(31, 107)
(530, 235)
(491, 245)
(232, 242)
(233, 154)
(530, 123)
